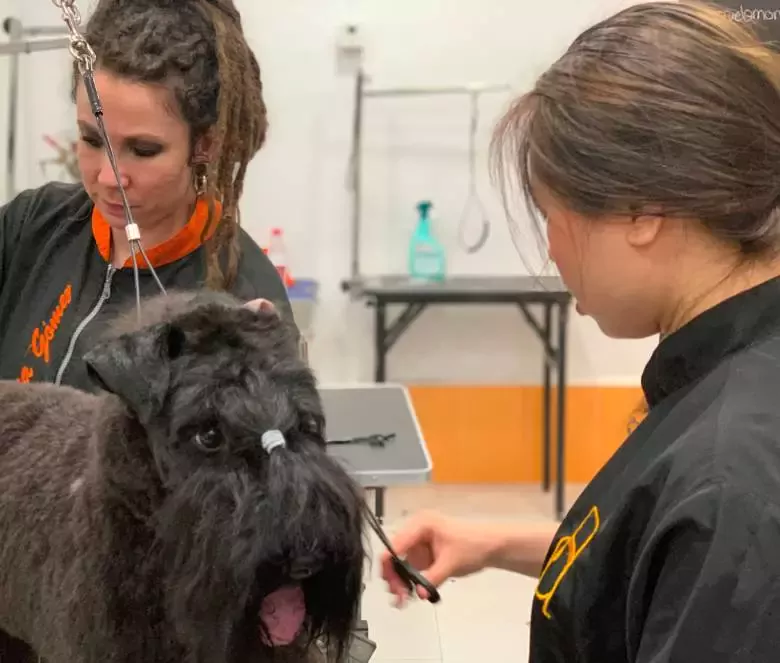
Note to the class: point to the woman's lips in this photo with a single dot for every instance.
(114, 209)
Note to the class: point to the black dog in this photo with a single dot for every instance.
(160, 521)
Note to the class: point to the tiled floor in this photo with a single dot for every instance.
(480, 618)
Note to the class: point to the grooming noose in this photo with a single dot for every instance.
(473, 200)
(85, 57)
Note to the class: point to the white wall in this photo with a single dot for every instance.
(414, 149)
(43, 105)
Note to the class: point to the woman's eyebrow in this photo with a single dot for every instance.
(87, 127)
(92, 130)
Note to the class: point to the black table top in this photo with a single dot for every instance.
(461, 288)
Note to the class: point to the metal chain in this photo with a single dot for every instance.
(79, 47)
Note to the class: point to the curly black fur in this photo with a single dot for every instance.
(147, 523)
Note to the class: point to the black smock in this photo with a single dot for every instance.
(672, 553)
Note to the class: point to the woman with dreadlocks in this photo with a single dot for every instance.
(184, 112)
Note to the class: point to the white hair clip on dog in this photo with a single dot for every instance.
(272, 439)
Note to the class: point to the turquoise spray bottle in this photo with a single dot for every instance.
(426, 254)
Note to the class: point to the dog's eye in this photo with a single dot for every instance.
(310, 426)
(208, 440)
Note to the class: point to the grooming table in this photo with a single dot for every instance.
(362, 410)
(521, 292)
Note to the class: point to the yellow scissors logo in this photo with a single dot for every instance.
(568, 548)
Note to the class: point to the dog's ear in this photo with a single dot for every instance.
(261, 306)
(137, 366)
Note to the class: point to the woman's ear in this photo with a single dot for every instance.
(205, 148)
(644, 229)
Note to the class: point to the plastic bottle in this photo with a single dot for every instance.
(426, 254)
(277, 253)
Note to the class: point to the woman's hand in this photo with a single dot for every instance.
(440, 548)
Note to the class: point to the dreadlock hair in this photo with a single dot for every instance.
(197, 49)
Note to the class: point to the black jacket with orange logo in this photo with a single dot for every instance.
(58, 289)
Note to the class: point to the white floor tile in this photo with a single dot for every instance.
(485, 618)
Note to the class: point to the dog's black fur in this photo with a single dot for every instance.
(146, 524)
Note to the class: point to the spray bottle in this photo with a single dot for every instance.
(426, 254)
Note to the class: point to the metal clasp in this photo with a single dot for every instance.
(79, 48)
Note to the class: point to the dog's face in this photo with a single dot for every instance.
(245, 536)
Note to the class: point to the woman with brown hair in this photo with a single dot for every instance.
(184, 111)
(650, 151)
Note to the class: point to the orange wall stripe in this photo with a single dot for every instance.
(493, 435)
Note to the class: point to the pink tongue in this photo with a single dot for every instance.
(283, 613)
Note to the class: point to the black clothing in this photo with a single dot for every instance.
(58, 288)
(672, 553)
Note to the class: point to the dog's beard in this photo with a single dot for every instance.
(206, 531)
(226, 546)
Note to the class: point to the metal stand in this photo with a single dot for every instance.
(361, 94)
(18, 45)
(361, 648)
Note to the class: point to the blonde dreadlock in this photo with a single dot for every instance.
(197, 48)
(240, 129)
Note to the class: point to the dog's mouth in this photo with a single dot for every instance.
(296, 608)
(244, 585)
(282, 616)
(271, 621)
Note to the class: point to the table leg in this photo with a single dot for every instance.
(379, 504)
(380, 345)
(380, 349)
(547, 398)
(563, 317)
